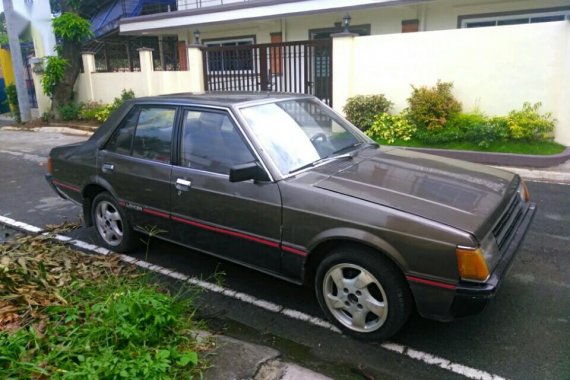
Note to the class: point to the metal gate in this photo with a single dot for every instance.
(301, 67)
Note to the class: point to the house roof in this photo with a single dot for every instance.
(244, 11)
(107, 19)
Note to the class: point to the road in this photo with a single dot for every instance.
(523, 334)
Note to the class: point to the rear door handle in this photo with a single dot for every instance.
(108, 168)
(183, 184)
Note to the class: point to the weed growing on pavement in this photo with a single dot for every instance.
(90, 317)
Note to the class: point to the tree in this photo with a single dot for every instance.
(62, 70)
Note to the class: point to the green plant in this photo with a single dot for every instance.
(83, 316)
(12, 98)
(431, 107)
(361, 110)
(54, 71)
(90, 110)
(47, 117)
(391, 127)
(71, 27)
(70, 111)
(104, 113)
(530, 124)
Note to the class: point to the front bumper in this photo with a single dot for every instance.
(470, 298)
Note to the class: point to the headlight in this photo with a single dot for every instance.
(476, 263)
(523, 192)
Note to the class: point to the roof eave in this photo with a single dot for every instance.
(248, 11)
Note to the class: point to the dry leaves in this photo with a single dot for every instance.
(33, 270)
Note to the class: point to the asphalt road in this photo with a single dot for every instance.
(523, 334)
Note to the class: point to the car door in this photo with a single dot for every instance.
(240, 221)
(136, 163)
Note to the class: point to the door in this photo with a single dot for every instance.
(238, 221)
(136, 162)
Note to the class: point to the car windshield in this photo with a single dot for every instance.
(297, 133)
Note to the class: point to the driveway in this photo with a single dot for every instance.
(523, 334)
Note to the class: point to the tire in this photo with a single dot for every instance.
(363, 293)
(111, 224)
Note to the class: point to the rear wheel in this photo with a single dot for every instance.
(363, 293)
(113, 228)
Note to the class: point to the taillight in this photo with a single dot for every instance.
(49, 166)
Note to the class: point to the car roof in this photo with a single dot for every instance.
(223, 98)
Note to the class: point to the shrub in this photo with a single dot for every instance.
(361, 110)
(431, 108)
(474, 127)
(70, 111)
(529, 124)
(103, 113)
(391, 127)
(90, 110)
(439, 136)
(12, 99)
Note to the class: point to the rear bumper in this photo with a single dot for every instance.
(49, 180)
(470, 298)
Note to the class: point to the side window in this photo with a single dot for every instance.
(211, 142)
(122, 139)
(153, 133)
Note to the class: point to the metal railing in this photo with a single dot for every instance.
(121, 54)
(301, 67)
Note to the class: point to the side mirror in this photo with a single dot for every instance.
(245, 172)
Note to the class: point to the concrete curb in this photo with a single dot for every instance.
(539, 175)
(502, 159)
(64, 130)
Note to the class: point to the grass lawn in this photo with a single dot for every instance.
(520, 147)
(68, 315)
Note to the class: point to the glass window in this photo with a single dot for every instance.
(122, 139)
(211, 142)
(517, 18)
(298, 132)
(153, 134)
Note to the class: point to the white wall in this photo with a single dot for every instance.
(494, 69)
(105, 87)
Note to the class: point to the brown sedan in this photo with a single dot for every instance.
(283, 184)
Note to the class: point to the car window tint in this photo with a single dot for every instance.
(122, 138)
(211, 142)
(153, 133)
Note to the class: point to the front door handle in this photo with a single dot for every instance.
(183, 184)
(108, 168)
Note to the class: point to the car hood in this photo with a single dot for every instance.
(456, 193)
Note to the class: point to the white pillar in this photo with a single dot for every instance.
(342, 58)
(196, 68)
(562, 134)
(147, 68)
(44, 101)
(88, 58)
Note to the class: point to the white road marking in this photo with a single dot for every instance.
(429, 359)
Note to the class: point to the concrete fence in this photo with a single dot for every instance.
(104, 87)
(494, 69)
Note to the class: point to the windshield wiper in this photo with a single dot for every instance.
(323, 161)
(355, 145)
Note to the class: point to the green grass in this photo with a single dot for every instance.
(117, 324)
(520, 147)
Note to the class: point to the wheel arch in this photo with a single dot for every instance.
(325, 242)
(90, 191)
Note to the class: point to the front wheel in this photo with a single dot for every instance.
(113, 228)
(363, 293)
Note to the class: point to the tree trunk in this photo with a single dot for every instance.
(71, 51)
(63, 93)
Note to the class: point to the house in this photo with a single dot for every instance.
(498, 53)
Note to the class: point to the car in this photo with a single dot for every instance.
(283, 184)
